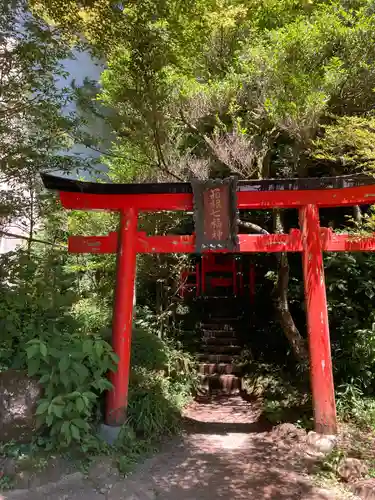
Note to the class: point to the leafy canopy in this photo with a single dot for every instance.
(202, 87)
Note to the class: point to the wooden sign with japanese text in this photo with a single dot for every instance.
(215, 204)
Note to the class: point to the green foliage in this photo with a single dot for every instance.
(285, 395)
(350, 291)
(162, 380)
(43, 332)
(153, 404)
(92, 315)
(53, 331)
(348, 143)
(354, 406)
(148, 349)
(294, 63)
(36, 295)
(72, 372)
(34, 131)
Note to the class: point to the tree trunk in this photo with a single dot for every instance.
(357, 214)
(291, 332)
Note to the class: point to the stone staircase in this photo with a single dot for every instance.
(222, 325)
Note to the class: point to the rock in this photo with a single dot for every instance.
(321, 443)
(7, 466)
(289, 432)
(351, 469)
(19, 395)
(321, 494)
(365, 489)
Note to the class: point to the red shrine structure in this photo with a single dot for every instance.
(305, 195)
(215, 272)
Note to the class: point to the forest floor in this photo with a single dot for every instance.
(225, 451)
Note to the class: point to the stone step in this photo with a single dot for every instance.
(211, 301)
(215, 358)
(221, 349)
(213, 340)
(219, 334)
(218, 368)
(220, 316)
(225, 384)
(217, 331)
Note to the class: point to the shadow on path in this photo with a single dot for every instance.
(227, 452)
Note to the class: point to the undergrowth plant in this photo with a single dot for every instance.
(73, 374)
(59, 336)
(353, 406)
(162, 381)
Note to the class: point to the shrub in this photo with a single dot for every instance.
(92, 314)
(72, 371)
(54, 332)
(153, 407)
(42, 332)
(148, 350)
(162, 380)
(36, 296)
(350, 282)
(353, 406)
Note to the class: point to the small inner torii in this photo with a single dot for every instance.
(219, 274)
(215, 204)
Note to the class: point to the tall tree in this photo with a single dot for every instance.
(258, 89)
(35, 130)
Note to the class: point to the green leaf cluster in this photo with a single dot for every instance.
(73, 373)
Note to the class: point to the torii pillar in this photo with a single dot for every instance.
(117, 398)
(321, 375)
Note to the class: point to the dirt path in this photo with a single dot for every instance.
(224, 453)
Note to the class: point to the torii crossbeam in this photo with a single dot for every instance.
(306, 195)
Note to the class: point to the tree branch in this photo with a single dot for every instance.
(204, 137)
(288, 325)
(32, 240)
(130, 158)
(253, 227)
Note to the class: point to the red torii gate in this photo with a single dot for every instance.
(306, 195)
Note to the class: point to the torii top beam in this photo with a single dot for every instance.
(251, 194)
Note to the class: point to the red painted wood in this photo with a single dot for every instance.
(186, 244)
(245, 199)
(247, 243)
(93, 244)
(144, 202)
(211, 266)
(330, 241)
(117, 398)
(220, 281)
(293, 199)
(165, 244)
(317, 321)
